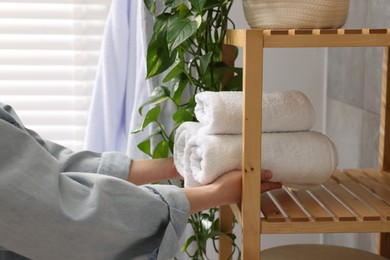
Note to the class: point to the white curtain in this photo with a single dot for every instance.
(48, 57)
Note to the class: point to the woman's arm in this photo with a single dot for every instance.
(225, 190)
(148, 171)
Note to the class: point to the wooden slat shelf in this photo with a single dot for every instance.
(358, 207)
(354, 200)
(349, 201)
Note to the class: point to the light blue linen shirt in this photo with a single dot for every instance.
(58, 204)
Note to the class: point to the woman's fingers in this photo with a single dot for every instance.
(267, 186)
(266, 175)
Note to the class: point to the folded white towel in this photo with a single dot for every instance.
(299, 159)
(283, 111)
(183, 133)
(296, 159)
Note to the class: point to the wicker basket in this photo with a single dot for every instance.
(296, 14)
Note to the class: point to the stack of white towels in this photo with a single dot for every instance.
(297, 156)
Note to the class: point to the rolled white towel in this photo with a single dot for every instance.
(183, 133)
(283, 111)
(297, 159)
(209, 156)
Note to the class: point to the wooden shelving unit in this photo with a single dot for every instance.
(354, 200)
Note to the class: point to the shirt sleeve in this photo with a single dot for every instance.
(48, 213)
(108, 163)
(114, 164)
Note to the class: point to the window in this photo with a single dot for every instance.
(49, 52)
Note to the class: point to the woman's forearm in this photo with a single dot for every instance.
(148, 171)
(223, 191)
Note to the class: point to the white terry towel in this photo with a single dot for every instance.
(283, 111)
(209, 156)
(183, 133)
(296, 159)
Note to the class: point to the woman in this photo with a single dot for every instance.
(58, 204)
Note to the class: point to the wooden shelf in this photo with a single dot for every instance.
(357, 200)
(354, 200)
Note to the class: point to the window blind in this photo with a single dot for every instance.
(49, 52)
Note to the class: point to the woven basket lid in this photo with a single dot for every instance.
(297, 14)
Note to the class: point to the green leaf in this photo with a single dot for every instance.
(172, 140)
(183, 114)
(158, 59)
(198, 20)
(187, 243)
(183, 10)
(204, 62)
(173, 3)
(158, 95)
(179, 30)
(234, 84)
(176, 70)
(161, 150)
(144, 146)
(179, 88)
(210, 4)
(198, 5)
(161, 23)
(214, 75)
(150, 5)
(151, 116)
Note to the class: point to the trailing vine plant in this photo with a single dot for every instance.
(186, 47)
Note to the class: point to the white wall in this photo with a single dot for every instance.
(299, 69)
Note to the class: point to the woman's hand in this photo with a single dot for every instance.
(225, 190)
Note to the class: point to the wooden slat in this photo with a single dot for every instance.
(279, 32)
(237, 213)
(315, 38)
(326, 40)
(353, 31)
(339, 211)
(378, 31)
(270, 211)
(360, 208)
(380, 177)
(303, 31)
(313, 227)
(329, 31)
(374, 186)
(317, 212)
(289, 206)
(377, 204)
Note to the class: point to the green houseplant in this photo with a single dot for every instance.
(187, 48)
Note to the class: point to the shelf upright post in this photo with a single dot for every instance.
(251, 155)
(384, 141)
(225, 213)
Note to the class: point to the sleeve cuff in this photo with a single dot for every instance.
(179, 209)
(115, 164)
